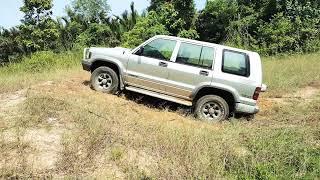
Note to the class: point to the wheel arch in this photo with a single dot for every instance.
(116, 66)
(228, 94)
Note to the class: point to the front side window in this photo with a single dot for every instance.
(195, 55)
(236, 63)
(159, 49)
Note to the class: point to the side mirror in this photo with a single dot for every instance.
(140, 51)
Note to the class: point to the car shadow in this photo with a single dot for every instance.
(152, 102)
(157, 103)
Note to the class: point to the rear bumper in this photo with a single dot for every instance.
(86, 65)
(248, 109)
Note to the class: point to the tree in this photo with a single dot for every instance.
(70, 27)
(97, 34)
(184, 10)
(10, 48)
(169, 17)
(38, 30)
(145, 28)
(36, 11)
(127, 20)
(155, 4)
(91, 10)
(267, 26)
(214, 20)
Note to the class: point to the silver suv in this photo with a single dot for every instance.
(216, 80)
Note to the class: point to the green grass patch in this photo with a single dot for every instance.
(41, 66)
(288, 73)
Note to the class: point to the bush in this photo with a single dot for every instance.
(44, 61)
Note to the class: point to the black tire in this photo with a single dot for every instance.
(212, 108)
(104, 79)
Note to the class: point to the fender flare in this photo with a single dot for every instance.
(217, 86)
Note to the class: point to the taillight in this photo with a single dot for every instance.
(256, 93)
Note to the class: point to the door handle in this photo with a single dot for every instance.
(163, 64)
(204, 73)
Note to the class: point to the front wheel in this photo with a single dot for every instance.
(212, 108)
(105, 80)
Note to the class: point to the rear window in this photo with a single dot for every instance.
(236, 63)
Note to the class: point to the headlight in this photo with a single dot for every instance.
(87, 53)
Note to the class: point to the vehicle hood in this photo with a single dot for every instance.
(109, 51)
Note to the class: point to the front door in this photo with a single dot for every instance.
(192, 67)
(148, 70)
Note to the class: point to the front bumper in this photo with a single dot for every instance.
(86, 65)
(248, 109)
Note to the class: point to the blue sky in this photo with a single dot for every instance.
(10, 14)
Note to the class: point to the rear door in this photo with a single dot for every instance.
(236, 72)
(149, 69)
(192, 66)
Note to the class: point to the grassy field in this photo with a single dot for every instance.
(287, 74)
(53, 125)
(40, 66)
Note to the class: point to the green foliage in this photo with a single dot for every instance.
(174, 17)
(124, 23)
(96, 34)
(214, 20)
(155, 4)
(128, 20)
(40, 36)
(169, 17)
(184, 10)
(190, 34)
(267, 26)
(36, 10)
(144, 29)
(10, 48)
(278, 35)
(38, 31)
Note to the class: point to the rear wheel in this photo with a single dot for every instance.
(105, 80)
(212, 108)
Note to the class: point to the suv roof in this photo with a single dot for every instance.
(202, 42)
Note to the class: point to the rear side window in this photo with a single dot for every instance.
(236, 63)
(195, 55)
(207, 56)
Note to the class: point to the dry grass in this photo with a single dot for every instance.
(42, 66)
(97, 135)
